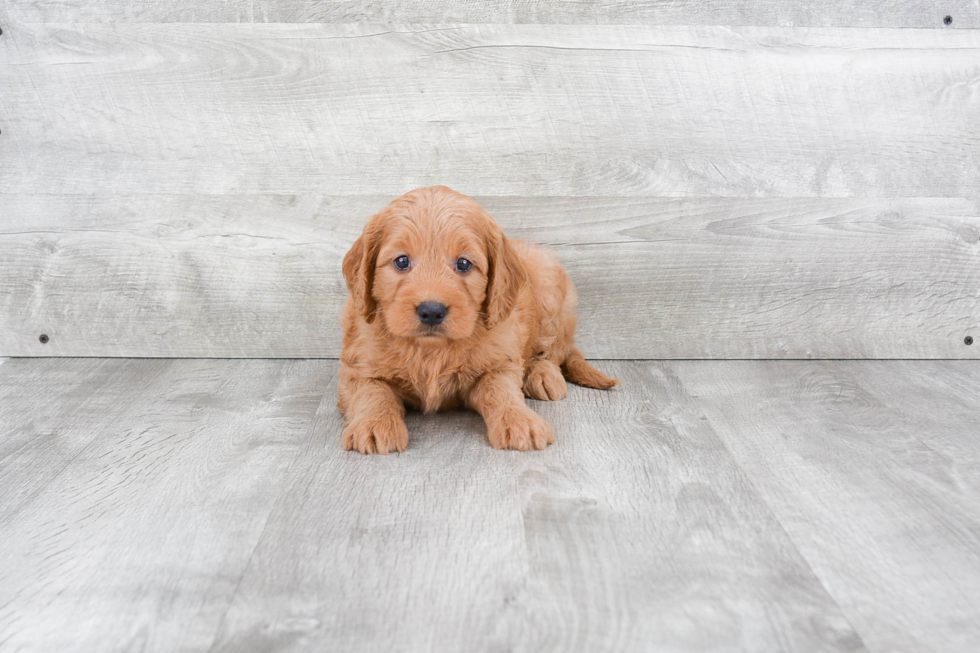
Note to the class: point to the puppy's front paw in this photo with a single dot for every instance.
(545, 382)
(376, 434)
(519, 428)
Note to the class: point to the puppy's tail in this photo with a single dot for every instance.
(577, 370)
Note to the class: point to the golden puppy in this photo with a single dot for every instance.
(445, 311)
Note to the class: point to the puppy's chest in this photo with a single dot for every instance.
(431, 384)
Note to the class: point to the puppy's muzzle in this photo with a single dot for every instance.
(431, 313)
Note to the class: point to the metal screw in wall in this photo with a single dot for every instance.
(968, 340)
(948, 20)
(44, 338)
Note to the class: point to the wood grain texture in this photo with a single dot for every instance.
(873, 469)
(51, 411)
(141, 516)
(520, 110)
(259, 276)
(785, 13)
(636, 535)
(701, 505)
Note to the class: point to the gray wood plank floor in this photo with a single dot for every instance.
(196, 505)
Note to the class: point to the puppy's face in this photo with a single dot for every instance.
(432, 265)
(431, 277)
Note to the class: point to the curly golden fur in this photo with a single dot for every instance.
(506, 326)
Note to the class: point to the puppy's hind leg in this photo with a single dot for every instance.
(556, 299)
(544, 381)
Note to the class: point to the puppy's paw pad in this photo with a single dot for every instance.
(376, 435)
(523, 430)
(545, 382)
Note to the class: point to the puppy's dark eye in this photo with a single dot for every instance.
(462, 265)
(402, 263)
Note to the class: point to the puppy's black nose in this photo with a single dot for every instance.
(431, 313)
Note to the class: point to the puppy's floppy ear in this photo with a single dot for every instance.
(359, 265)
(505, 277)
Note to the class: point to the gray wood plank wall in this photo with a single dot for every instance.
(215, 275)
(736, 186)
(781, 13)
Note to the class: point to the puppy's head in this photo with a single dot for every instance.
(433, 266)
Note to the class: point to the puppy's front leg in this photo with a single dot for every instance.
(510, 423)
(375, 417)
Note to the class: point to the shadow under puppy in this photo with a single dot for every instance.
(445, 311)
